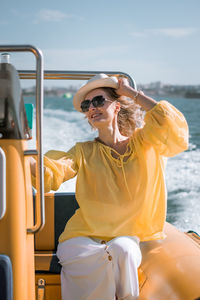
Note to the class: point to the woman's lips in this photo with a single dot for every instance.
(96, 115)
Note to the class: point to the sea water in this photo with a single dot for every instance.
(63, 127)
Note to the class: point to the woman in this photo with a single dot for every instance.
(120, 188)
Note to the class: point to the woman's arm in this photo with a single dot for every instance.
(33, 166)
(165, 129)
(124, 89)
(59, 166)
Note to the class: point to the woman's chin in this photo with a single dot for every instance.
(97, 123)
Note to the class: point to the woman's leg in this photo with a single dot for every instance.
(127, 257)
(87, 272)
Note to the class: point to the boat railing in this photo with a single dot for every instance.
(38, 152)
(73, 75)
(39, 75)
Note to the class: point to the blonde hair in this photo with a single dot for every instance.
(130, 115)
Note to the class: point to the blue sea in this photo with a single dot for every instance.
(63, 127)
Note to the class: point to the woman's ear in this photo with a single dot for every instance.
(117, 107)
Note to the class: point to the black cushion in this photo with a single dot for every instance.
(65, 207)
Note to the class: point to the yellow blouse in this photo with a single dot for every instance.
(124, 195)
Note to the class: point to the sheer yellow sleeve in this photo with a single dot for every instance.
(59, 166)
(166, 129)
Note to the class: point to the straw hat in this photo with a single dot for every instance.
(98, 81)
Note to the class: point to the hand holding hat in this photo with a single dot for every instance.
(123, 87)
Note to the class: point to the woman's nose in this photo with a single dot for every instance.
(91, 107)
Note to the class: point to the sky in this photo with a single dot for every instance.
(150, 40)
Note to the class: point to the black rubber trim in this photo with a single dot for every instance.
(55, 267)
(191, 231)
(6, 278)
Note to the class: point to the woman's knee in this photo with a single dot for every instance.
(125, 247)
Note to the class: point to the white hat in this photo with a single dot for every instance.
(98, 81)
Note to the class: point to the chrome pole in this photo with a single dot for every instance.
(38, 75)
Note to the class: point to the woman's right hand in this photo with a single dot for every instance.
(33, 166)
(140, 98)
(124, 89)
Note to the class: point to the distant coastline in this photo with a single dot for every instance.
(152, 89)
(194, 95)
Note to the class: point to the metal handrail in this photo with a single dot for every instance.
(39, 74)
(2, 183)
(73, 75)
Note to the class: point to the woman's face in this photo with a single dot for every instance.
(102, 116)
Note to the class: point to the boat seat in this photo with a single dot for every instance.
(166, 266)
(59, 207)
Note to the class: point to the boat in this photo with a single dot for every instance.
(31, 222)
(67, 95)
(193, 95)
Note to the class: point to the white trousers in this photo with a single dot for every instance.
(93, 269)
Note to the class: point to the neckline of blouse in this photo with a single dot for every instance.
(128, 152)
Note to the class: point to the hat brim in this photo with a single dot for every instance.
(99, 83)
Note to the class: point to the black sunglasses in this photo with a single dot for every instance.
(97, 101)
